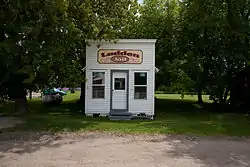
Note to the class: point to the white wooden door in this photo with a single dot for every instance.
(119, 91)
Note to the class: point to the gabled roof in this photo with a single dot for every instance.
(124, 41)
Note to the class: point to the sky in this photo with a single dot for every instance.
(140, 1)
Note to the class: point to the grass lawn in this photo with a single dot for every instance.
(186, 97)
(173, 116)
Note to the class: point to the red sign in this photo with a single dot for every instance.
(106, 56)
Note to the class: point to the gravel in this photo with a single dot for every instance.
(30, 149)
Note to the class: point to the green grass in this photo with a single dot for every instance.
(192, 98)
(173, 116)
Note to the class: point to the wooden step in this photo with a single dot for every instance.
(120, 116)
(117, 113)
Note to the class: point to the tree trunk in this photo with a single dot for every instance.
(30, 94)
(82, 96)
(200, 101)
(226, 95)
(21, 106)
(72, 90)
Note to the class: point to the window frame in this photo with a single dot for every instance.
(98, 85)
(145, 86)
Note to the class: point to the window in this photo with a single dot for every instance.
(140, 83)
(119, 83)
(98, 85)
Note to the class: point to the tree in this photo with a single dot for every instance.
(200, 43)
(159, 19)
(43, 42)
(215, 41)
(30, 32)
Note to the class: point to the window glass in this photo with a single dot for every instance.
(140, 78)
(98, 85)
(98, 78)
(119, 84)
(140, 92)
(98, 92)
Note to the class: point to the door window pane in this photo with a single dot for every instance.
(140, 78)
(119, 84)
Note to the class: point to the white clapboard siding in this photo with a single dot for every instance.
(102, 106)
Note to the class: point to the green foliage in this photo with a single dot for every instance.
(46, 39)
(158, 19)
(215, 43)
(201, 44)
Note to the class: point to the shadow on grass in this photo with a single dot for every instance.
(186, 117)
(172, 116)
(67, 117)
(179, 105)
(190, 106)
(7, 108)
(72, 107)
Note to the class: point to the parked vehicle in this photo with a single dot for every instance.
(53, 96)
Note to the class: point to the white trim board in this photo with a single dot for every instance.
(123, 41)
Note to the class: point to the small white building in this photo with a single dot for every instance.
(120, 78)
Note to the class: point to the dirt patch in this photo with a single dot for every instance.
(30, 149)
